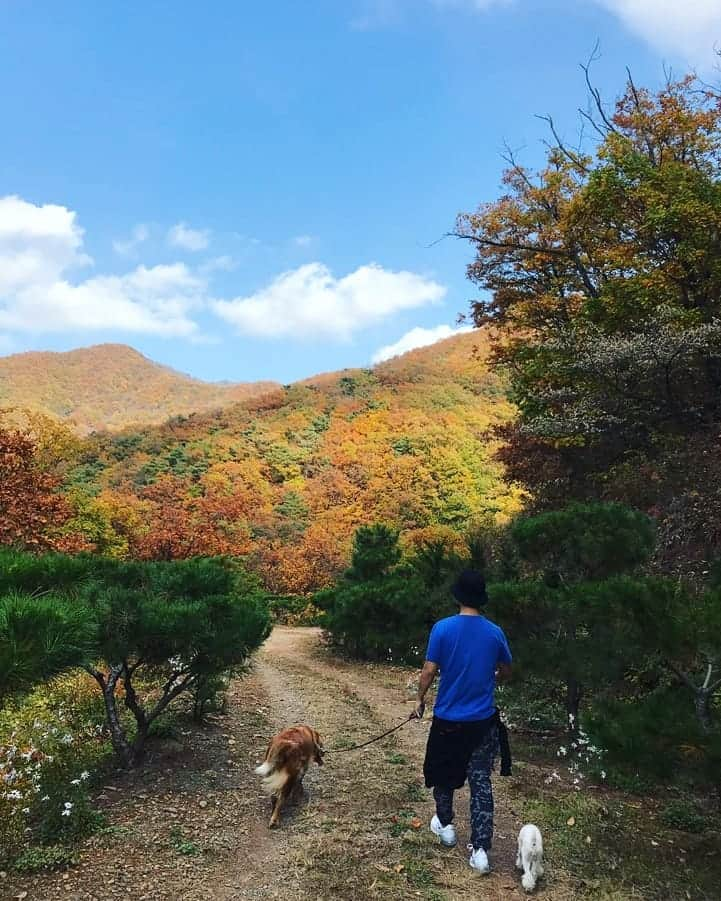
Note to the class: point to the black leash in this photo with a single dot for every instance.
(370, 741)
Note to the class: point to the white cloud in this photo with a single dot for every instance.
(41, 247)
(416, 337)
(181, 235)
(37, 243)
(43, 289)
(303, 240)
(311, 302)
(687, 29)
(225, 263)
(477, 5)
(138, 236)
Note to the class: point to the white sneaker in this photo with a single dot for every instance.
(479, 860)
(447, 834)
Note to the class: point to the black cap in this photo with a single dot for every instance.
(469, 589)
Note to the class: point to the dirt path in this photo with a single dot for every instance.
(192, 824)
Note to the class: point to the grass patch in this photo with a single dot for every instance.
(415, 792)
(50, 857)
(402, 822)
(167, 726)
(181, 845)
(396, 758)
(419, 874)
(628, 845)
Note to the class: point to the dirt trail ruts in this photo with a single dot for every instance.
(192, 825)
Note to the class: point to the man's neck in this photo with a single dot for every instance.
(468, 611)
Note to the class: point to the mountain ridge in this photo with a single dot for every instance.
(111, 386)
(283, 479)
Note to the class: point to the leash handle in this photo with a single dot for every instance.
(370, 741)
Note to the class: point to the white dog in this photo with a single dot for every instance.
(530, 856)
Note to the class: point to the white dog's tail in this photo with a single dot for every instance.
(272, 769)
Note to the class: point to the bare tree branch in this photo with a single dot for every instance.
(507, 245)
(572, 157)
(595, 93)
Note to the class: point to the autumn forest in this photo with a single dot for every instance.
(157, 533)
(285, 478)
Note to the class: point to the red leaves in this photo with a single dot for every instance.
(30, 507)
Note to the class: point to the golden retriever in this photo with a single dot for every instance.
(287, 759)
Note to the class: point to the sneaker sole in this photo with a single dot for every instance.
(483, 872)
(445, 844)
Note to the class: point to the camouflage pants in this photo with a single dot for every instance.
(479, 771)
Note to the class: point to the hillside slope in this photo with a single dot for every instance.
(286, 478)
(109, 386)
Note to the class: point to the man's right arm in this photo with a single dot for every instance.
(428, 674)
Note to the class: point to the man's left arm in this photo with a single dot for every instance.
(428, 674)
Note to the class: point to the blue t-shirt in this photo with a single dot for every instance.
(467, 650)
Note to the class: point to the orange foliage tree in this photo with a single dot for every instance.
(31, 509)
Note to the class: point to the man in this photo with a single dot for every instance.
(464, 739)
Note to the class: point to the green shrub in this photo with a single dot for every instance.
(39, 637)
(683, 815)
(181, 623)
(385, 619)
(181, 844)
(569, 613)
(380, 609)
(656, 736)
(174, 624)
(585, 542)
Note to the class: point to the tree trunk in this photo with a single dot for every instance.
(141, 719)
(138, 747)
(703, 709)
(573, 702)
(118, 738)
(573, 689)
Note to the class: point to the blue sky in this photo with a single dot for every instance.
(249, 191)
